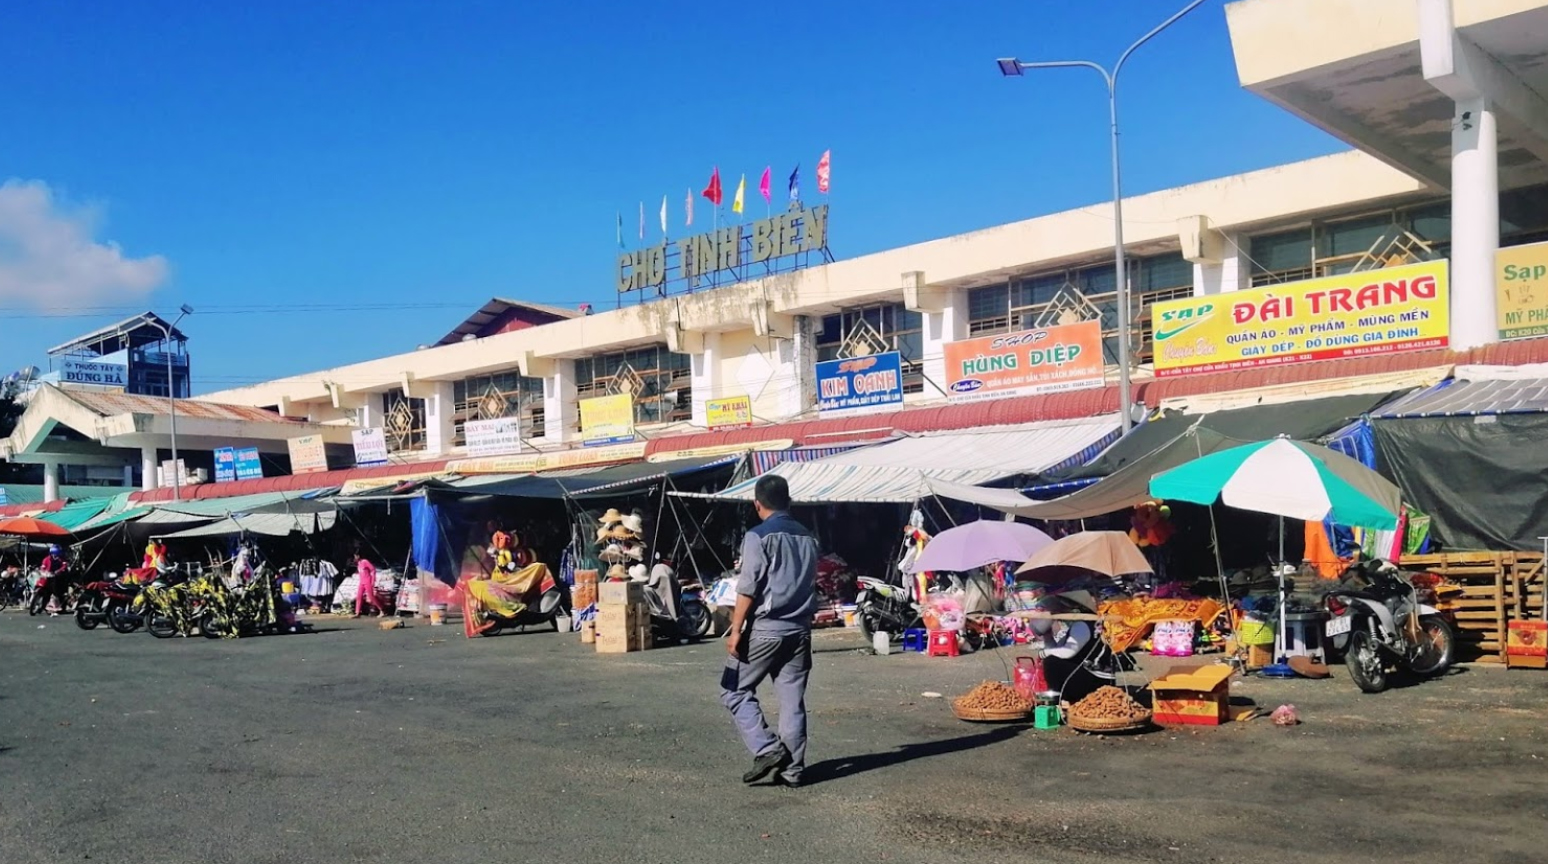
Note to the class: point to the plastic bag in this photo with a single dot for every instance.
(1285, 715)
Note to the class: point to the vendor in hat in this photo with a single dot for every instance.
(1067, 646)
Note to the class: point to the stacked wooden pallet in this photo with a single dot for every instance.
(1497, 587)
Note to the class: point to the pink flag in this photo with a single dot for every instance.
(689, 206)
(824, 169)
(763, 184)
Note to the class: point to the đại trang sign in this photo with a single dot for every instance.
(782, 238)
(1402, 308)
(1521, 290)
(860, 382)
(1046, 360)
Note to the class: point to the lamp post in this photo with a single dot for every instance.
(166, 331)
(1010, 67)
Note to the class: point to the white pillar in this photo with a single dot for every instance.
(561, 413)
(1475, 224)
(705, 369)
(50, 481)
(1231, 272)
(148, 466)
(440, 429)
(947, 325)
(129, 475)
(800, 395)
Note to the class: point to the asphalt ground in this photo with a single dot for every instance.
(419, 745)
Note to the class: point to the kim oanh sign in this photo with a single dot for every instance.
(860, 382)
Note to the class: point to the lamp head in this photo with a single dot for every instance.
(1010, 67)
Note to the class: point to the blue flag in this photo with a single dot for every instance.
(795, 184)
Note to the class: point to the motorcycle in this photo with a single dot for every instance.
(537, 603)
(44, 587)
(886, 607)
(677, 607)
(108, 602)
(1378, 621)
(246, 610)
(15, 590)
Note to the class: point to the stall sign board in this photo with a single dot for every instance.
(370, 447)
(1521, 289)
(495, 437)
(73, 371)
(308, 454)
(734, 412)
(1045, 360)
(860, 382)
(225, 464)
(248, 464)
(1403, 308)
(173, 471)
(607, 420)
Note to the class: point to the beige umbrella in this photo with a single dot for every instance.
(1110, 553)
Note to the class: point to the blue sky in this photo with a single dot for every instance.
(419, 158)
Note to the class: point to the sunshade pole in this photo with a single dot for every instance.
(679, 508)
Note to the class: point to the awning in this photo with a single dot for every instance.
(581, 482)
(267, 524)
(900, 471)
(765, 460)
(73, 516)
(1483, 392)
(1126, 487)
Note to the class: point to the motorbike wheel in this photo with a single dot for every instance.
(38, 604)
(121, 619)
(1365, 664)
(213, 627)
(1439, 647)
(86, 618)
(700, 621)
(160, 626)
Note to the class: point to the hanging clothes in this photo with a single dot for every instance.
(1319, 552)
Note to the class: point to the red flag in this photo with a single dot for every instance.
(712, 191)
(824, 168)
(763, 184)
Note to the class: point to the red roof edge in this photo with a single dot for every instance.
(288, 482)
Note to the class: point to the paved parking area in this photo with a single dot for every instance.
(419, 745)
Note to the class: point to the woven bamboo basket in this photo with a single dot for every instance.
(978, 715)
(1104, 725)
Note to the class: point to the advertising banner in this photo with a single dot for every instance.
(370, 447)
(1521, 288)
(1352, 315)
(173, 473)
(607, 420)
(531, 463)
(492, 437)
(225, 464)
(1046, 360)
(74, 371)
(733, 412)
(308, 454)
(248, 465)
(860, 382)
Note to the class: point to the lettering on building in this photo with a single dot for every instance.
(732, 253)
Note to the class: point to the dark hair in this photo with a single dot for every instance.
(773, 492)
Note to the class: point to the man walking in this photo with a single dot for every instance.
(771, 635)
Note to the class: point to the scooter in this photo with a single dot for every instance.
(886, 607)
(677, 607)
(541, 605)
(107, 601)
(1377, 620)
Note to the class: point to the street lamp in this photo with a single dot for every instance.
(1011, 67)
(166, 332)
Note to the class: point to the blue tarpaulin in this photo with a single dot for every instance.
(431, 554)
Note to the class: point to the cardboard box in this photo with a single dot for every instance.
(1526, 645)
(620, 593)
(1199, 696)
(623, 628)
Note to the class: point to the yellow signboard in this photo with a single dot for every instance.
(734, 412)
(1356, 314)
(1521, 288)
(532, 463)
(607, 419)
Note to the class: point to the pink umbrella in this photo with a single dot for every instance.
(977, 544)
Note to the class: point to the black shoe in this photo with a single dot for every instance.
(782, 780)
(767, 764)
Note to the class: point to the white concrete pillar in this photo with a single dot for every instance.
(1231, 272)
(561, 412)
(705, 369)
(440, 428)
(149, 465)
(129, 475)
(1475, 224)
(50, 481)
(798, 359)
(947, 325)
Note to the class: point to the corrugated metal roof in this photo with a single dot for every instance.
(900, 471)
(268, 524)
(1454, 398)
(111, 404)
(288, 482)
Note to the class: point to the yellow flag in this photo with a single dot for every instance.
(741, 189)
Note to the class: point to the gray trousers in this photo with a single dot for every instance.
(788, 660)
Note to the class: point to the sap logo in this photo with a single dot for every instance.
(1175, 321)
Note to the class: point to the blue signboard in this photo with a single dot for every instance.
(225, 464)
(248, 467)
(860, 382)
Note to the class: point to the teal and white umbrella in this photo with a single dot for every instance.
(1286, 478)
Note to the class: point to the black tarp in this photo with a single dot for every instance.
(613, 479)
(1483, 480)
(1306, 420)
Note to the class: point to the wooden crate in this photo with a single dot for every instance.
(1496, 588)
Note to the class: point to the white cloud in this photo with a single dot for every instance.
(49, 258)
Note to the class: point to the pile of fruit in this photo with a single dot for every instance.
(1109, 705)
(992, 697)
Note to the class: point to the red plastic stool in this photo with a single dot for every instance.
(943, 643)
